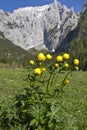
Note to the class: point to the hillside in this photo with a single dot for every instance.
(12, 55)
(78, 46)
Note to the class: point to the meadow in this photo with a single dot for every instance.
(49, 94)
(12, 82)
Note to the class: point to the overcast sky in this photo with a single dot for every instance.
(10, 5)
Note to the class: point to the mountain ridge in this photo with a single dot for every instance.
(39, 27)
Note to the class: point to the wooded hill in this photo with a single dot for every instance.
(78, 46)
(12, 55)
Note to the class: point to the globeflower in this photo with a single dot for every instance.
(66, 81)
(37, 71)
(66, 56)
(56, 65)
(66, 65)
(31, 62)
(59, 58)
(43, 68)
(48, 56)
(41, 56)
(76, 68)
(76, 62)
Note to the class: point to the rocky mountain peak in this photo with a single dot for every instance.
(38, 27)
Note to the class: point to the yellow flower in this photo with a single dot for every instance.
(48, 56)
(66, 81)
(37, 71)
(43, 68)
(66, 56)
(76, 62)
(66, 65)
(31, 62)
(41, 56)
(59, 58)
(40, 63)
(76, 68)
(56, 65)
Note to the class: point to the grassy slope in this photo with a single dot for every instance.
(12, 55)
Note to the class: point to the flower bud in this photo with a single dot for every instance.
(76, 62)
(37, 71)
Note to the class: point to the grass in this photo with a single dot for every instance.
(13, 81)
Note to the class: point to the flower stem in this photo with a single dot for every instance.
(47, 88)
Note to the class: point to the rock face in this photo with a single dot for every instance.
(38, 27)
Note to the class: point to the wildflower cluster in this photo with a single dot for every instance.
(47, 75)
(43, 104)
(48, 67)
